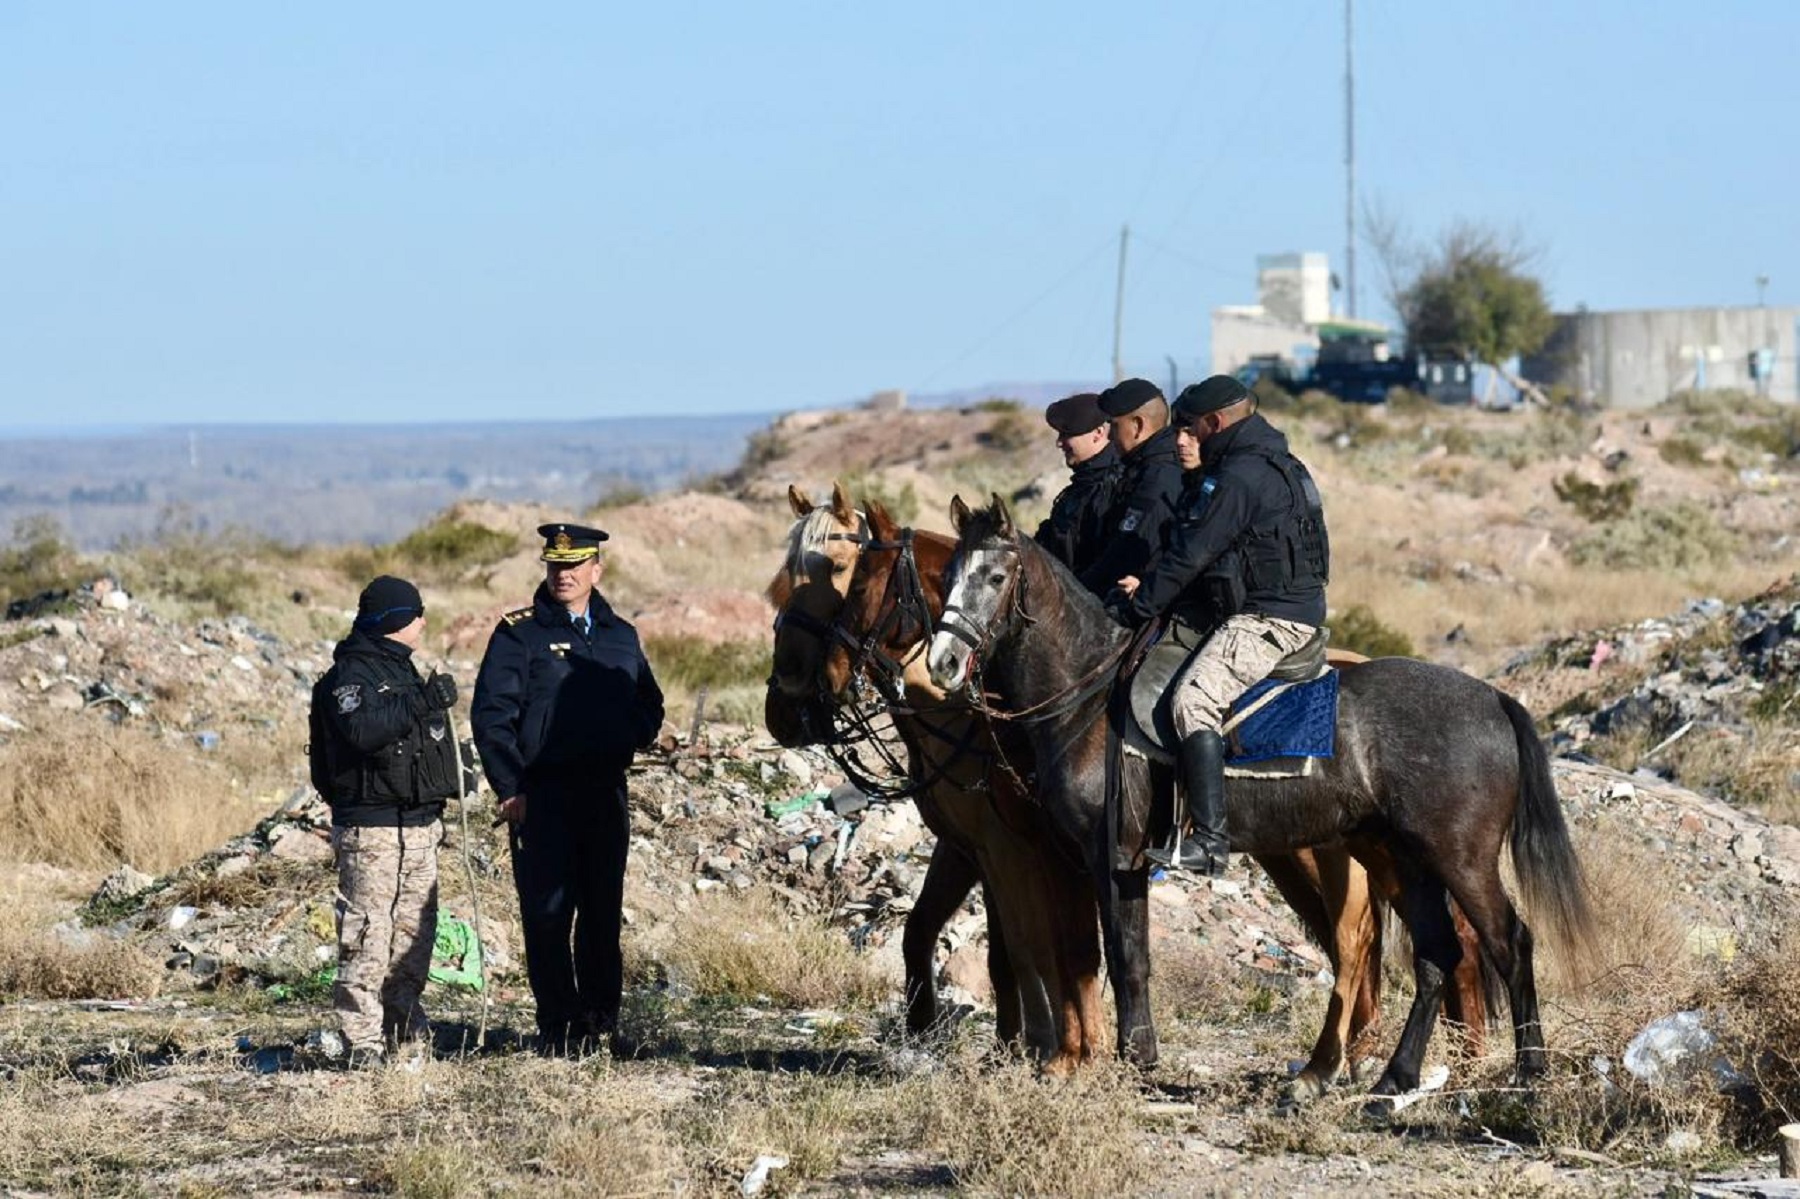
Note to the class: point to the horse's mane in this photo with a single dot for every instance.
(805, 538)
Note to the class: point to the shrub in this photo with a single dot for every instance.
(1676, 537)
(1357, 628)
(185, 561)
(998, 404)
(902, 505)
(39, 560)
(1681, 451)
(684, 663)
(1597, 501)
(451, 543)
(1010, 430)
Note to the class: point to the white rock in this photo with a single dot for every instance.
(63, 627)
(182, 916)
(116, 600)
(242, 663)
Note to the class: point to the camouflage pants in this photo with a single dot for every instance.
(1240, 654)
(386, 926)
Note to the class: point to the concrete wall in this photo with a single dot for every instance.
(1295, 288)
(1638, 359)
(1238, 334)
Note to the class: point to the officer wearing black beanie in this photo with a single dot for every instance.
(383, 758)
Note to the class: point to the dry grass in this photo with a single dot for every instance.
(745, 946)
(38, 962)
(86, 794)
(1007, 1132)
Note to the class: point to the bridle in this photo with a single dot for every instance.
(1010, 615)
(877, 687)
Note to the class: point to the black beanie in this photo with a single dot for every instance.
(388, 605)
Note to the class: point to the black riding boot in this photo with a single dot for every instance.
(1205, 849)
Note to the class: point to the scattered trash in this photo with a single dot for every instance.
(181, 916)
(775, 809)
(1433, 1080)
(207, 739)
(1676, 1047)
(758, 1175)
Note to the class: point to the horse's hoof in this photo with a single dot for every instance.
(1300, 1091)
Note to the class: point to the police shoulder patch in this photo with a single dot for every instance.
(1132, 517)
(349, 697)
(516, 615)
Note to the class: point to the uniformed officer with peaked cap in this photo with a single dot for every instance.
(564, 698)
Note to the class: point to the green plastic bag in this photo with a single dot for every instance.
(456, 957)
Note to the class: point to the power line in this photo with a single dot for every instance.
(1019, 314)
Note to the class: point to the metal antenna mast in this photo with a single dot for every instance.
(1349, 157)
(1119, 304)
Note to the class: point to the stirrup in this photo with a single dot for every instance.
(1191, 855)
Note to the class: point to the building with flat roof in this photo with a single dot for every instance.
(1639, 358)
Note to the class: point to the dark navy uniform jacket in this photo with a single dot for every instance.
(1236, 490)
(1143, 503)
(1076, 531)
(551, 702)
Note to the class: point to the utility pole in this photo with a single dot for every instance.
(1350, 158)
(1119, 305)
(1762, 287)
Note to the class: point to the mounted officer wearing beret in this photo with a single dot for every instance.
(570, 543)
(1209, 395)
(1128, 396)
(1075, 415)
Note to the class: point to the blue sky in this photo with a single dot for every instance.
(239, 212)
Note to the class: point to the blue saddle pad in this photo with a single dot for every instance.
(1301, 722)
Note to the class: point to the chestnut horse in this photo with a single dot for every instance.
(1434, 774)
(1044, 948)
(1327, 889)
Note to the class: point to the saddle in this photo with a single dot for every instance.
(1150, 730)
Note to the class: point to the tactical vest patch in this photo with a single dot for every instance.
(1132, 517)
(349, 697)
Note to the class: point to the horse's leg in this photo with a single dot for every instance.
(948, 880)
(1125, 924)
(1009, 1010)
(1508, 943)
(1329, 893)
(1426, 910)
(1073, 927)
(1082, 948)
(1016, 905)
(1465, 997)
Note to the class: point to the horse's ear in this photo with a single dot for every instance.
(959, 512)
(1002, 514)
(798, 502)
(882, 522)
(840, 503)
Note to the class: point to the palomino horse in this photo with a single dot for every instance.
(1326, 888)
(1044, 944)
(1432, 769)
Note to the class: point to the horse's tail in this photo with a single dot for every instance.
(1542, 853)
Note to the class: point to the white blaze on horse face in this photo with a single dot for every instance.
(969, 609)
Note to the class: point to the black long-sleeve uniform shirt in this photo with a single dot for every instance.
(1075, 531)
(1143, 503)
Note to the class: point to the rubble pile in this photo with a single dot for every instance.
(1708, 666)
(99, 649)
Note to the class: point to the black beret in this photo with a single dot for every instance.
(388, 605)
(570, 543)
(1209, 395)
(1074, 415)
(1128, 396)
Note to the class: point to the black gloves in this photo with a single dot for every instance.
(440, 692)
